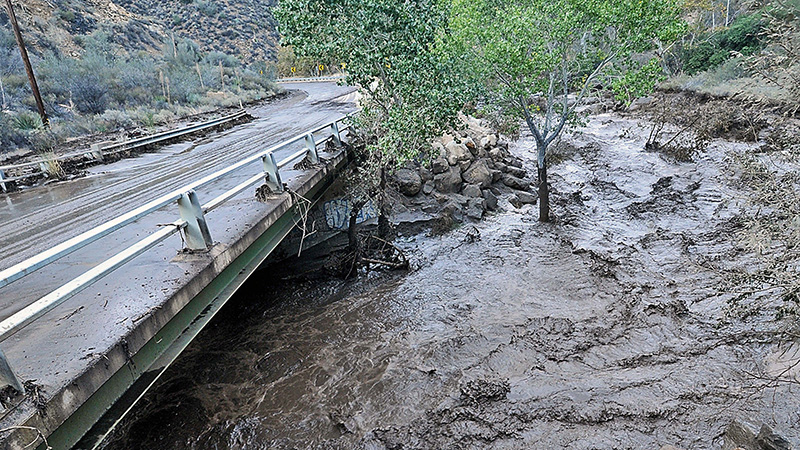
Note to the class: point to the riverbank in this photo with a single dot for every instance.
(607, 328)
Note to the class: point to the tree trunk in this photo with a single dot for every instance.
(384, 227)
(353, 243)
(544, 193)
(3, 92)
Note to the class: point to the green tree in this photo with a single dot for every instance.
(389, 48)
(539, 58)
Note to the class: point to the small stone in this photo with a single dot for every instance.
(475, 208)
(472, 190)
(491, 200)
(738, 435)
(514, 162)
(408, 181)
(440, 165)
(526, 198)
(515, 183)
(639, 103)
(769, 440)
(427, 188)
(496, 176)
(515, 202)
(449, 181)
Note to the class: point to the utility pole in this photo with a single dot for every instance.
(34, 87)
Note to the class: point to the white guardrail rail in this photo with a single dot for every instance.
(192, 222)
(310, 79)
(99, 151)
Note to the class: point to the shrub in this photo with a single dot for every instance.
(90, 94)
(27, 121)
(741, 37)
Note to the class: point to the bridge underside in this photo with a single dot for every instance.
(112, 383)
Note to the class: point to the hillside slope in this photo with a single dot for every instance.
(242, 28)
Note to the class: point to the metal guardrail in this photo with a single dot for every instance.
(99, 151)
(309, 79)
(192, 223)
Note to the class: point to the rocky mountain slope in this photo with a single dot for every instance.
(242, 28)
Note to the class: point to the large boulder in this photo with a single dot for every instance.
(408, 181)
(489, 141)
(497, 154)
(516, 183)
(426, 174)
(526, 198)
(470, 144)
(478, 173)
(472, 190)
(457, 153)
(516, 171)
(439, 150)
(449, 181)
(440, 165)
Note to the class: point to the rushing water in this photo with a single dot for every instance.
(602, 330)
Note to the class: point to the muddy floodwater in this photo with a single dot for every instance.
(606, 329)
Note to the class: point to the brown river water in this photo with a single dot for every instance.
(603, 330)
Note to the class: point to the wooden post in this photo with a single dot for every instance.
(34, 86)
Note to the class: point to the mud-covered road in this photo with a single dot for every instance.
(606, 329)
(36, 219)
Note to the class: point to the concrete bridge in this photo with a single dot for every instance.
(106, 279)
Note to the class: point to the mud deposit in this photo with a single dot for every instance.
(603, 330)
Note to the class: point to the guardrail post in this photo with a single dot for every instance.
(96, 152)
(3, 177)
(273, 173)
(197, 235)
(337, 137)
(311, 145)
(7, 376)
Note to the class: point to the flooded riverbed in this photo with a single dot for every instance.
(603, 330)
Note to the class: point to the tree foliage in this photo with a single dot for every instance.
(389, 51)
(539, 58)
(742, 37)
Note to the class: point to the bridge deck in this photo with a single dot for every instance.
(74, 349)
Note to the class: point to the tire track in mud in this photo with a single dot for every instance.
(88, 209)
(38, 218)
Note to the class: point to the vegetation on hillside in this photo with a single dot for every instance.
(106, 89)
(104, 67)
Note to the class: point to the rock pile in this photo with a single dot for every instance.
(469, 171)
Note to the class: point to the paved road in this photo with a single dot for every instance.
(36, 219)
